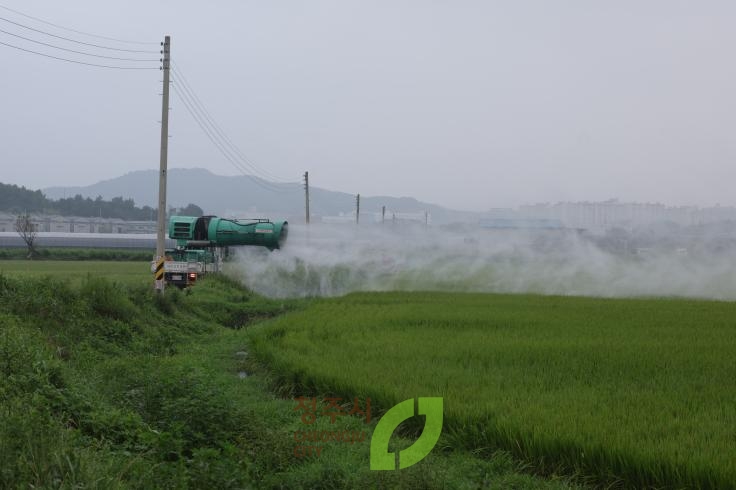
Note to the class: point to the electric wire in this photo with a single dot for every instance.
(75, 51)
(179, 77)
(189, 98)
(224, 137)
(227, 142)
(184, 98)
(202, 123)
(76, 31)
(263, 183)
(76, 41)
(263, 172)
(79, 62)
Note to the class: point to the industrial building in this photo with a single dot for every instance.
(75, 224)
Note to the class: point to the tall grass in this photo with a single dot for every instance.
(624, 392)
(105, 385)
(91, 395)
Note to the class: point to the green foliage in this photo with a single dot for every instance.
(183, 402)
(107, 299)
(103, 387)
(90, 395)
(634, 392)
(46, 453)
(63, 425)
(117, 207)
(190, 210)
(19, 199)
(16, 199)
(222, 469)
(38, 452)
(25, 363)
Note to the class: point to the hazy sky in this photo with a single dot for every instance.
(468, 104)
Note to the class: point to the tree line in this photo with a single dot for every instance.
(15, 200)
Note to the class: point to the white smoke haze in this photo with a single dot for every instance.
(331, 260)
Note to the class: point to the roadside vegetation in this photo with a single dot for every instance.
(105, 385)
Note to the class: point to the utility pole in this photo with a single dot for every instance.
(306, 194)
(426, 218)
(161, 230)
(383, 214)
(357, 209)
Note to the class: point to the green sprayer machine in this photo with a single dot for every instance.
(202, 243)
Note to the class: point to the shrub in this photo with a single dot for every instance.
(106, 298)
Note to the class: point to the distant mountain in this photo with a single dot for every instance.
(247, 196)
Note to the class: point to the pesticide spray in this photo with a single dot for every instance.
(330, 260)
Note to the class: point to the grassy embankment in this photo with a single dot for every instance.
(622, 392)
(104, 385)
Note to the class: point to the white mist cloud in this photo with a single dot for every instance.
(334, 260)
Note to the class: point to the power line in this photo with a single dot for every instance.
(75, 41)
(208, 132)
(75, 51)
(76, 31)
(216, 128)
(80, 62)
(222, 135)
(263, 183)
(224, 140)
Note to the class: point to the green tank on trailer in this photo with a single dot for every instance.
(202, 243)
(211, 231)
(227, 232)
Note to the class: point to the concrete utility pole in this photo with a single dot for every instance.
(426, 218)
(161, 230)
(357, 209)
(383, 214)
(306, 195)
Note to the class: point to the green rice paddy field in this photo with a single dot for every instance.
(620, 392)
(629, 392)
(127, 272)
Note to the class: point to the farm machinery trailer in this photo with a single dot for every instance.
(202, 243)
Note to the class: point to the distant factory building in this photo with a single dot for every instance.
(521, 224)
(374, 217)
(76, 224)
